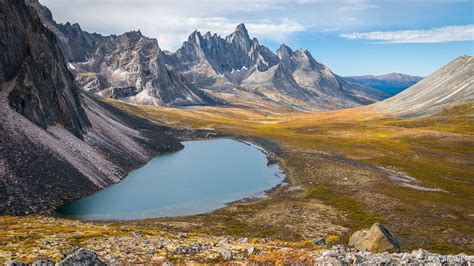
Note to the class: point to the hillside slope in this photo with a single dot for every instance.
(451, 85)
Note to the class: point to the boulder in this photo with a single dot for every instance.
(252, 250)
(43, 263)
(15, 263)
(226, 254)
(376, 239)
(320, 241)
(81, 256)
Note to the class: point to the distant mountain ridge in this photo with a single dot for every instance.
(207, 70)
(239, 70)
(392, 83)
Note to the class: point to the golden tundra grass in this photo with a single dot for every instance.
(437, 150)
(334, 156)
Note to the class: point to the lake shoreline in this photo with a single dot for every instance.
(273, 162)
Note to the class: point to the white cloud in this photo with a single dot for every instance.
(436, 35)
(357, 5)
(171, 21)
(329, 30)
(267, 29)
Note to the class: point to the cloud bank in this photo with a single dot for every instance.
(435, 35)
(171, 21)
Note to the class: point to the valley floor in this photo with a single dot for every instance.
(346, 170)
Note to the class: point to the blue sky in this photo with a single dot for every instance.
(352, 37)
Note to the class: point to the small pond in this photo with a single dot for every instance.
(202, 177)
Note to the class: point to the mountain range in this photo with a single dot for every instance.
(392, 83)
(206, 70)
(55, 135)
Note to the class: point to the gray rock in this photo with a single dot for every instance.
(320, 241)
(44, 126)
(226, 240)
(244, 240)
(226, 254)
(81, 257)
(189, 250)
(15, 263)
(43, 263)
(128, 67)
(252, 251)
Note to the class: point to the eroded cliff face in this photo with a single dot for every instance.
(56, 143)
(43, 87)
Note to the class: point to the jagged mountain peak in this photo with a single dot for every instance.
(240, 36)
(208, 35)
(284, 51)
(134, 39)
(241, 28)
(195, 38)
(134, 34)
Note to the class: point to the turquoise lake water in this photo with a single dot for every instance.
(202, 177)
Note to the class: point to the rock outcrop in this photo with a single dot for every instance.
(81, 256)
(58, 144)
(376, 239)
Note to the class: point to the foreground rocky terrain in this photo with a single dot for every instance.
(58, 144)
(70, 242)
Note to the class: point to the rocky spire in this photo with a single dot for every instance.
(284, 51)
(240, 36)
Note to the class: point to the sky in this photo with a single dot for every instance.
(352, 37)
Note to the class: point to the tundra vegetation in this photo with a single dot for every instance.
(346, 170)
